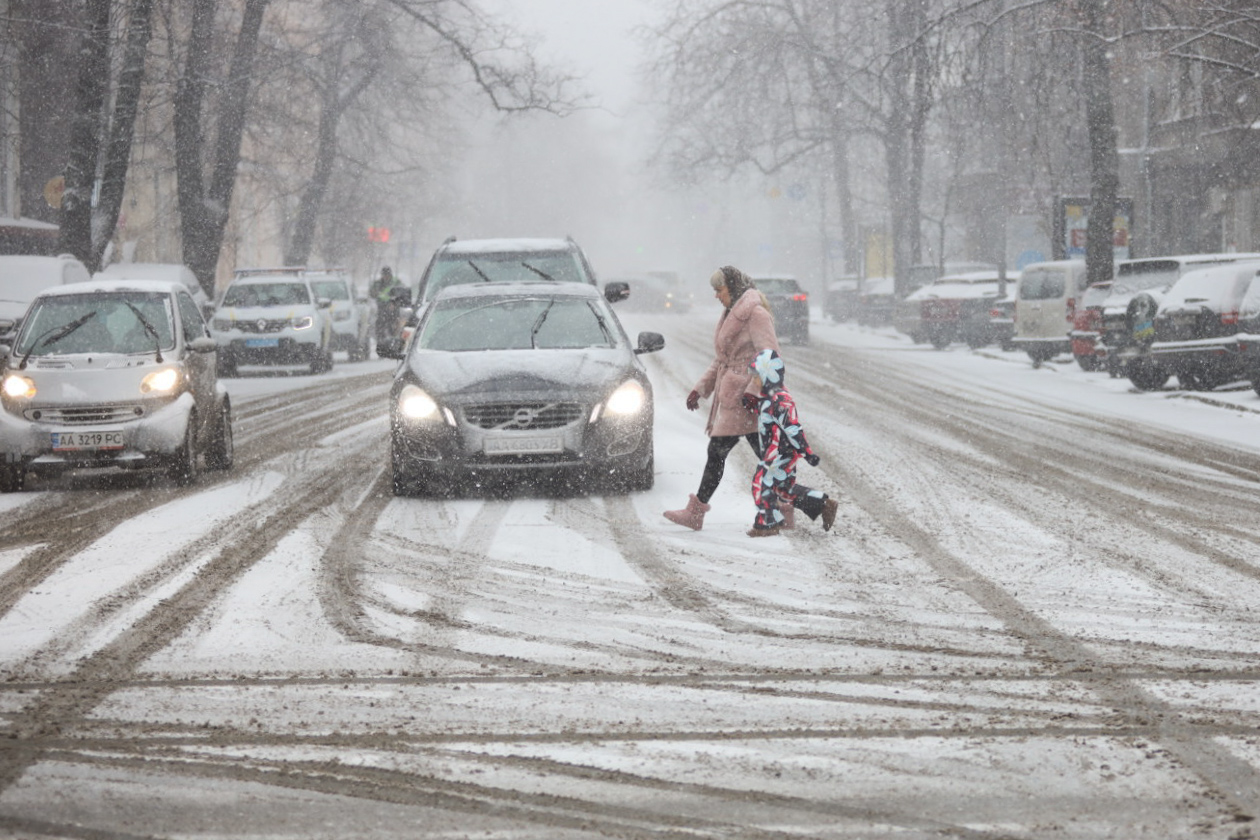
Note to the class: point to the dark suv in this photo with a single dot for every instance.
(459, 262)
(1198, 326)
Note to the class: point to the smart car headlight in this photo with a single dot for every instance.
(415, 404)
(627, 399)
(303, 322)
(18, 387)
(162, 381)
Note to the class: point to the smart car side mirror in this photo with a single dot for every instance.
(203, 344)
(324, 303)
(615, 290)
(650, 342)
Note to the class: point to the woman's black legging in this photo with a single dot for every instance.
(719, 448)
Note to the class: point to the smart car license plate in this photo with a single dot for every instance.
(83, 441)
(523, 445)
(262, 342)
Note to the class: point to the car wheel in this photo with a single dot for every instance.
(221, 453)
(407, 479)
(322, 361)
(636, 479)
(940, 342)
(1146, 376)
(1087, 363)
(183, 466)
(12, 479)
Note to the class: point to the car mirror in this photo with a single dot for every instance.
(203, 344)
(324, 303)
(400, 296)
(615, 290)
(5, 350)
(650, 342)
(390, 348)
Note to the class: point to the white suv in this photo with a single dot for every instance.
(351, 312)
(272, 317)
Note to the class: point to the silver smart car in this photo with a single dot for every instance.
(112, 373)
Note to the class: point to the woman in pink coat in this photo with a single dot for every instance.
(744, 330)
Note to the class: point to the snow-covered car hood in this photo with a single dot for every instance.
(471, 375)
(956, 291)
(266, 313)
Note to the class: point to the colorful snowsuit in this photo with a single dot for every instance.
(782, 443)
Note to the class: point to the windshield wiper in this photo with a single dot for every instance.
(54, 335)
(149, 328)
(533, 333)
(544, 275)
(603, 325)
(480, 273)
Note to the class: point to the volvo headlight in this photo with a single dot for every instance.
(628, 399)
(18, 387)
(415, 404)
(162, 381)
(303, 322)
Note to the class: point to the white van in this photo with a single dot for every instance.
(23, 277)
(1046, 306)
(169, 272)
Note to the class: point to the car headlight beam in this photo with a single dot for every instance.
(18, 387)
(415, 404)
(162, 381)
(629, 398)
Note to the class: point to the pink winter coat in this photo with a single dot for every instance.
(743, 331)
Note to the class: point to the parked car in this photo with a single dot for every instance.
(876, 301)
(1087, 348)
(350, 312)
(1202, 326)
(1128, 313)
(173, 272)
(524, 379)
(789, 304)
(112, 373)
(1001, 320)
(23, 277)
(953, 308)
(1045, 307)
(841, 303)
(273, 317)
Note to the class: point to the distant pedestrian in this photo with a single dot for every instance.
(384, 291)
(746, 327)
(782, 442)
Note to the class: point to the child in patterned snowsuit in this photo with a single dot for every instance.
(783, 443)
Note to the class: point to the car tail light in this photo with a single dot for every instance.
(1229, 318)
(1071, 310)
(801, 296)
(995, 313)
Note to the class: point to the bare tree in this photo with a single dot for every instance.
(101, 136)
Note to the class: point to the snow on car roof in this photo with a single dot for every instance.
(517, 287)
(119, 284)
(486, 246)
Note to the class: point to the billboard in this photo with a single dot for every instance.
(1071, 218)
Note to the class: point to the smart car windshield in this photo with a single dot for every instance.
(514, 323)
(117, 327)
(267, 294)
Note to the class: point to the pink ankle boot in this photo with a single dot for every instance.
(692, 516)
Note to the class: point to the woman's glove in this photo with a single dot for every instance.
(812, 459)
(750, 401)
(693, 400)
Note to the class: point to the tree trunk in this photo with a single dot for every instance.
(122, 130)
(908, 80)
(204, 212)
(1104, 160)
(86, 134)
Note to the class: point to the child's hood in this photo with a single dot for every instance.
(769, 369)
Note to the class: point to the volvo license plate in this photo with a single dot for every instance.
(87, 441)
(524, 445)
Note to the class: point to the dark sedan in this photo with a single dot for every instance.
(529, 379)
(789, 304)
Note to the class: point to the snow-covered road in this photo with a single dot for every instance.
(1036, 617)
